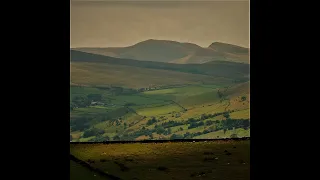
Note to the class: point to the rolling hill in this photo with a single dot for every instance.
(218, 69)
(175, 52)
(103, 74)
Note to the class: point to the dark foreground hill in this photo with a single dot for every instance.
(158, 161)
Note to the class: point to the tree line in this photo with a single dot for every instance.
(165, 127)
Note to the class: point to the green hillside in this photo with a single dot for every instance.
(104, 74)
(231, 70)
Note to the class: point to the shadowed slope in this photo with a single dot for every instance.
(231, 70)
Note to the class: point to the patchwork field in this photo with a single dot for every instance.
(125, 112)
(206, 160)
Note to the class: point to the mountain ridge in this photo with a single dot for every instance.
(174, 52)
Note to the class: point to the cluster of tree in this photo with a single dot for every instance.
(210, 122)
(176, 136)
(100, 138)
(79, 101)
(162, 130)
(93, 132)
(84, 101)
(79, 123)
(191, 120)
(195, 124)
(235, 123)
(151, 121)
(217, 125)
(226, 115)
(223, 125)
(141, 132)
(145, 132)
(207, 116)
(189, 135)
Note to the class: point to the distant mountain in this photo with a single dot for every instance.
(228, 48)
(175, 52)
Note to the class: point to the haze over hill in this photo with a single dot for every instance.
(175, 52)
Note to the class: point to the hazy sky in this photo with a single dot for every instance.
(107, 23)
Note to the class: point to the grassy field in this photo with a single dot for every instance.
(183, 91)
(160, 110)
(241, 114)
(205, 160)
(136, 99)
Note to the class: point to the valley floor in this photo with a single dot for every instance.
(166, 113)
